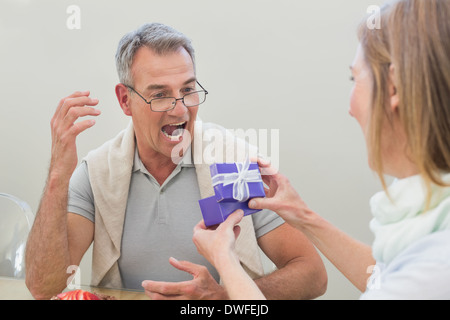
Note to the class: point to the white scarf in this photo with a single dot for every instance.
(402, 221)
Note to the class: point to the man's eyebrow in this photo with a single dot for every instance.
(164, 86)
(155, 87)
(190, 80)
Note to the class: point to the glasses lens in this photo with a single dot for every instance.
(194, 99)
(163, 104)
(190, 100)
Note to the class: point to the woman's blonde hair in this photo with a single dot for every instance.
(414, 37)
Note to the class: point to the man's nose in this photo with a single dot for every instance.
(180, 108)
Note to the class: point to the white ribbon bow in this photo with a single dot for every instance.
(239, 179)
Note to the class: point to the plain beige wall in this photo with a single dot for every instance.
(275, 64)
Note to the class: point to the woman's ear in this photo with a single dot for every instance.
(393, 94)
(124, 98)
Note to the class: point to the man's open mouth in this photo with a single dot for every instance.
(174, 131)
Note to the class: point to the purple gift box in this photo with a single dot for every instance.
(234, 185)
(217, 212)
(229, 186)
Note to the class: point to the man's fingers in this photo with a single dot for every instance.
(179, 265)
(73, 109)
(162, 289)
(73, 95)
(168, 290)
(79, 127)
(187, 266)
(180, 290)
(68, 103)
(77, 112)
(77, 102)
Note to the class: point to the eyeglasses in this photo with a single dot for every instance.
(191, 99)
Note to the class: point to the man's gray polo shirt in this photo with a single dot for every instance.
(159, 221)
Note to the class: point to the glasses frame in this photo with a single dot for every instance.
(176, 99)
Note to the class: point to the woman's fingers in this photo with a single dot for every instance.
(263, 203)
(233, 219)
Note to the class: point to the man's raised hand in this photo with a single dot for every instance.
(65, 129)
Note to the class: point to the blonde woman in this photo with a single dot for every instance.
(401, 99)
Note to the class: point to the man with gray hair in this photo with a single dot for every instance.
(137, 204)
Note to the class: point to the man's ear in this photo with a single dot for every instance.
(123, 96)
(393, 94)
